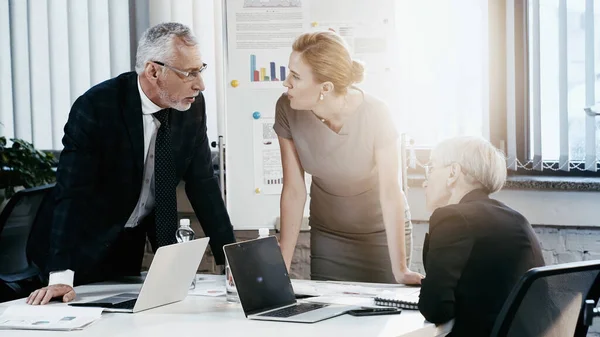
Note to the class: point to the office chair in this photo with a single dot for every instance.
(548, 301)
(16, 221)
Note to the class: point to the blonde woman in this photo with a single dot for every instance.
(346, 140)
(477, 247)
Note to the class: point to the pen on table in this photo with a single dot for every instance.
(350, 293)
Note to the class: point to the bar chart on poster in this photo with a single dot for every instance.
(259, 36)
(271, 73)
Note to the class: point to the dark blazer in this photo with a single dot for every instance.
(99, 176)
(474, 254)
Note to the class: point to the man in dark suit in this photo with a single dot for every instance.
(477, 248)
(127, 144)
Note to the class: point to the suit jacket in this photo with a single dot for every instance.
(475, 253)
(100, 172)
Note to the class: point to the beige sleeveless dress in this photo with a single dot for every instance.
(348, 239)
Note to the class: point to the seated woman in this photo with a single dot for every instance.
(477, 247)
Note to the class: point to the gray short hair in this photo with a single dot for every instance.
(478, 158)
(156, 44)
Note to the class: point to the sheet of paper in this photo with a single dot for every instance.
(343, 300)
(212, 291)
(304, 288)
(207, 278)
(268, 177)
(315, 288)
(365, 300)
(368, 30)
(51, 317)
(208, 285)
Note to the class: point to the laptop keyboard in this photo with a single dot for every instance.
(295, 310)
(129, 304)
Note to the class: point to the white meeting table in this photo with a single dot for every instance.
(213, 316)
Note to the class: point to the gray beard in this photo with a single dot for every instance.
(180, 106)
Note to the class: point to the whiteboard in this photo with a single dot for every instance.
(259, 36)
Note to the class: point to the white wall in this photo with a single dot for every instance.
(562, 208)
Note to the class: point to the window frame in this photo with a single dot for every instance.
(498, 91)
(522, 88)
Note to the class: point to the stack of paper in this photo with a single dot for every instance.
(50, 317)
(324, 288)
(352, 294)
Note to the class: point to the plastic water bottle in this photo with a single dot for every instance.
(186, 233)
(263, 233)
(230, 289)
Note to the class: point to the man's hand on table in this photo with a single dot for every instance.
(44, 295)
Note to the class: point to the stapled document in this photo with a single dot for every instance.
(50, 317)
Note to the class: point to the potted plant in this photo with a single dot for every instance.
(23, 165)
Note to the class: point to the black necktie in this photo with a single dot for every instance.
(165, 183)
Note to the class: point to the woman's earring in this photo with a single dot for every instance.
(321, 97)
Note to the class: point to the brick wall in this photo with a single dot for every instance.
(568, 244)
(301, 261)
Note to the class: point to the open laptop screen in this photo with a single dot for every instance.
(260, 275)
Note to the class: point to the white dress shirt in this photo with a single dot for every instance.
(146, 200)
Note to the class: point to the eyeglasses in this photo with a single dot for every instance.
(429, 169)
(187, 75)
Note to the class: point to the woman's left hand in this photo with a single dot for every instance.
(409, 277)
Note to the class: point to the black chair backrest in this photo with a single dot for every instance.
(547, 301)
(16, 221)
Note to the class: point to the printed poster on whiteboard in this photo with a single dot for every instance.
(260, 38)
(268, 171)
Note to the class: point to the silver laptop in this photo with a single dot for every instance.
(264, 286)
(172, 271)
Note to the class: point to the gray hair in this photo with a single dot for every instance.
(156, 43)
(477, 157)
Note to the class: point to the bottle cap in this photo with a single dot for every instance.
(263, 232)
(184, 222)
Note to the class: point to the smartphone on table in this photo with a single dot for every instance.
(374, 311)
